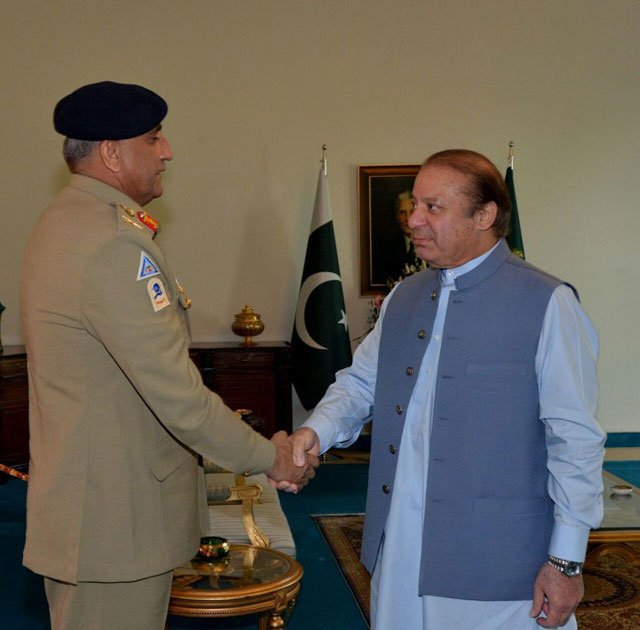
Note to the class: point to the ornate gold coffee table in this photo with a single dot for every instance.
(248, 581)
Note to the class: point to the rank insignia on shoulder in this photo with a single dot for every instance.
(149, 221)
(147, 268)
(129, 211)
(157, 294)
(130, 221)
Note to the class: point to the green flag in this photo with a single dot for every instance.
(514, 238)
(320, 341)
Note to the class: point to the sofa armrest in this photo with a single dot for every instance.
(220, 492)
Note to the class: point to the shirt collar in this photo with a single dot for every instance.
(448, 276)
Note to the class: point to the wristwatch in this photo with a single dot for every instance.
(568, 567)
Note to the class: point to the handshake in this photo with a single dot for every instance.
(296, 459)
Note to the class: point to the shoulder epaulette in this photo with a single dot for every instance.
(140, 219)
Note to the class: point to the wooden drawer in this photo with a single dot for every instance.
(230, 359)
(13, 368)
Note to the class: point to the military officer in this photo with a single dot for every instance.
(117, 409)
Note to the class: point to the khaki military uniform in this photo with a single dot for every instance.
(117, 409)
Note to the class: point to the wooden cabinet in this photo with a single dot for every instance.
(250, 377)
(14, 408)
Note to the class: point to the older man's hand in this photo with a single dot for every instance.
(287, 474)
(305, 448)
(555, 595)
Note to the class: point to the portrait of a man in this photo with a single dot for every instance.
(386, 200)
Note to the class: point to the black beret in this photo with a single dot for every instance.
(108, 111)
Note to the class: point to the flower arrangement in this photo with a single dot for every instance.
(374, 311)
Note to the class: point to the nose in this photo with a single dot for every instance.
(418, 216)
(165, 153)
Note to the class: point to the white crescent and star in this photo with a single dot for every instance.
(307, 288)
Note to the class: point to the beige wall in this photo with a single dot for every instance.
(255, 88)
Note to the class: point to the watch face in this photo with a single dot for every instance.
(572, 569)
(568, 567)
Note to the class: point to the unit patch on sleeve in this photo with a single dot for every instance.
(157, 294)
(147, 268)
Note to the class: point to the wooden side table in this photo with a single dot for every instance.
(248, 581)
(254, 377)
(14, 408)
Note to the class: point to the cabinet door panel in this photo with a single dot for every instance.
(256, 378)
(14, 437)
(14, 411)
(249, 391)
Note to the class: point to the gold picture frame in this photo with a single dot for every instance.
(380, 234)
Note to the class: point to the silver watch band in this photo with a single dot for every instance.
(570, 568)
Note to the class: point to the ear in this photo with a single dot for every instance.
(110, 155)
(486, 215)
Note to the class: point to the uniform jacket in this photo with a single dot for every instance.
(486, 506)
(117, 409)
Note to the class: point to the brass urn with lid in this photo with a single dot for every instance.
(247, 324)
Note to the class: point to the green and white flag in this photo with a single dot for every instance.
(320, 341)
(514, 238)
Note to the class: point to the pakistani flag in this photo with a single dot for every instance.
(514, 238)
(320, 340)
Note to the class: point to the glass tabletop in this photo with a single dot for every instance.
(621, 511)
(244, 567)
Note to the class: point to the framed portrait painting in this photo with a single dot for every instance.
(384, 207)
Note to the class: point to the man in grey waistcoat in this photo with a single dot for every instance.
(486, 457)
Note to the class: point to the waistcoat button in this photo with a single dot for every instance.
(386, 489)
(421, 334)
(409, 371)
(392, 449)
(399, 409)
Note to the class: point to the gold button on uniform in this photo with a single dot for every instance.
(421, 334)
(409, 371)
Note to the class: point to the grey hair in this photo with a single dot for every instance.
(74, 151)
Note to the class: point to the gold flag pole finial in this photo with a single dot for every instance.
(510, 156)
(323, 161)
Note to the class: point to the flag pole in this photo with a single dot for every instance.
(514, 236)
(323, 161)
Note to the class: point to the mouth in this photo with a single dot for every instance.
(421, 239)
